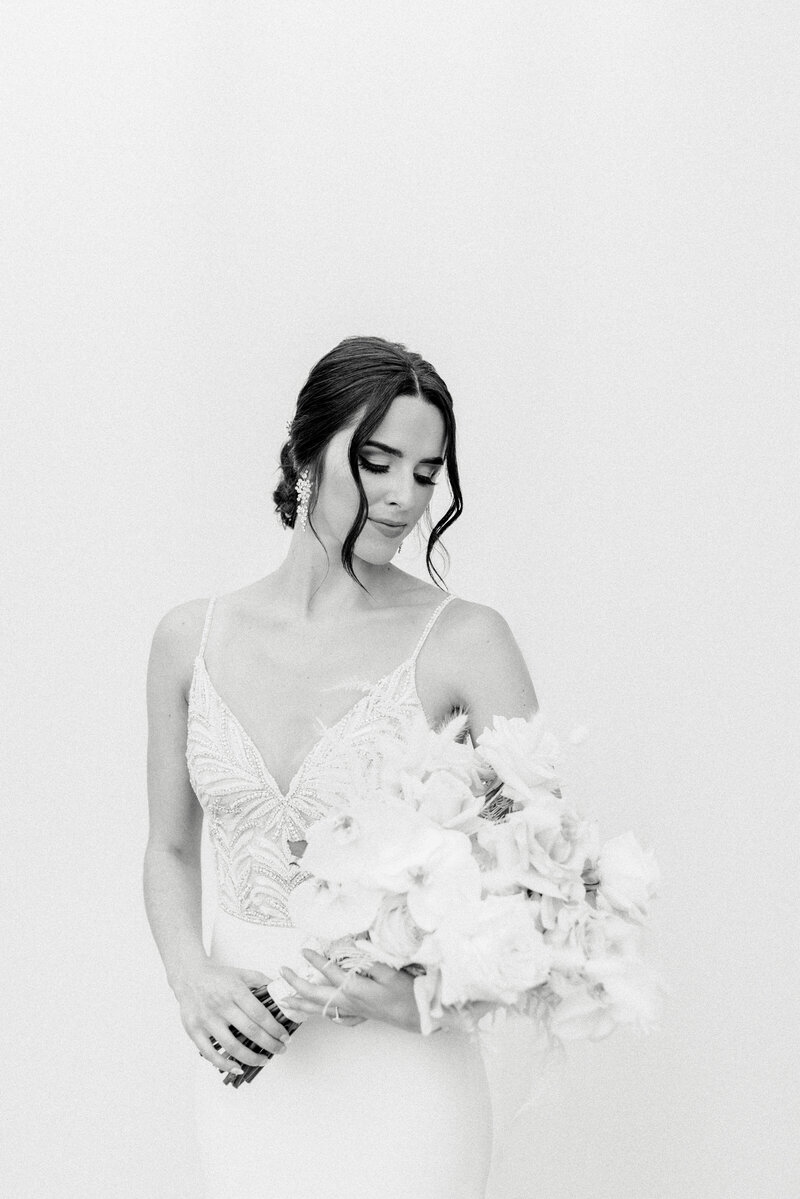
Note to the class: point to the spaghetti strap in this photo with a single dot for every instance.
(207, 626)
(430, 625)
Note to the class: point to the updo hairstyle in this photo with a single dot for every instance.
(366, 372)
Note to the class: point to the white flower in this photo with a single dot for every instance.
(594, 1009)
(580, 1015)
(496, 957)
(590, 942)
(559, 846)
(506, 843)
(447, 885)
(549, 907)
(629, 877)
(596, 975)
(445, 799)
(330, 910)
(424, 751)
(523, 755)
(377, 844)
(394, 938)
(538, 848)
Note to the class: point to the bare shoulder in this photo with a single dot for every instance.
(468, 627)
(468, 614)
(176, 642)
(485, 665)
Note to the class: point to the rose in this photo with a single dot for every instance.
(540, 849)
(629, 877)
(394, 938)
(589, 942)
(572, 842)
(446, 800)
(559, 845)
(523, 755)
(496, 956)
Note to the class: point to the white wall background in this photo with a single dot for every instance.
(585, 215)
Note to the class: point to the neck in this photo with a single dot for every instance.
(311, 584)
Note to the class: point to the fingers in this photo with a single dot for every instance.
(254, 978)
(317, 993)
(258, 1014)
(350, 982)
(294, 1005)
(381, 973)
(220, 1007)
(220, 1031)
(320, 999)
(331, 970)
(215, 1056)
(254, 1030)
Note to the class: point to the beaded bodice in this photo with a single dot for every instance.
(250, 820)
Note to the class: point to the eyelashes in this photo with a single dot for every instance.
(381, 470)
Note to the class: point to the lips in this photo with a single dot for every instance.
(388, 528)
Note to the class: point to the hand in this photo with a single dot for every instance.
(384, 994)
(216, 996)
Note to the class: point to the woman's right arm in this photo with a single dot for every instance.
(211, 996)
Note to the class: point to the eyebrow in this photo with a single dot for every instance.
(388, 449)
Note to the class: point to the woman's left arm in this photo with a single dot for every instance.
(489, 674)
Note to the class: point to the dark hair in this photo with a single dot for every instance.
(361, 372)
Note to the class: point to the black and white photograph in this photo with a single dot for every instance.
(400, 444)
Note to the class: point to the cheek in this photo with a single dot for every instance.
(422, 503)
(340, 487)
(341, 496)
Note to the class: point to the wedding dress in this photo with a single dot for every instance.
(369, 1111)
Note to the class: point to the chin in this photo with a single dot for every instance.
(374, 556)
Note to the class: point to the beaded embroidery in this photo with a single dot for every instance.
(249, 818)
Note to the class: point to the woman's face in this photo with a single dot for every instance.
(399, 465)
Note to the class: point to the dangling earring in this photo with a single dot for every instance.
(303, 489)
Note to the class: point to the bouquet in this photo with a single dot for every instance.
(467, 867)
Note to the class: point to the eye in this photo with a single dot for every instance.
(375, 469)
(372, 467)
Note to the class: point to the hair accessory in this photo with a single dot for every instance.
(303, 489)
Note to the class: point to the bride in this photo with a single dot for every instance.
(251, 695)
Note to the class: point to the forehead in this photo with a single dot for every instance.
(412, 423)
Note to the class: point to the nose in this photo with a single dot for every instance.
(400, 493)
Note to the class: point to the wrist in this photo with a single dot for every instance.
(183, 973)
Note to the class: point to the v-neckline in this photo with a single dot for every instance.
(298, 774)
